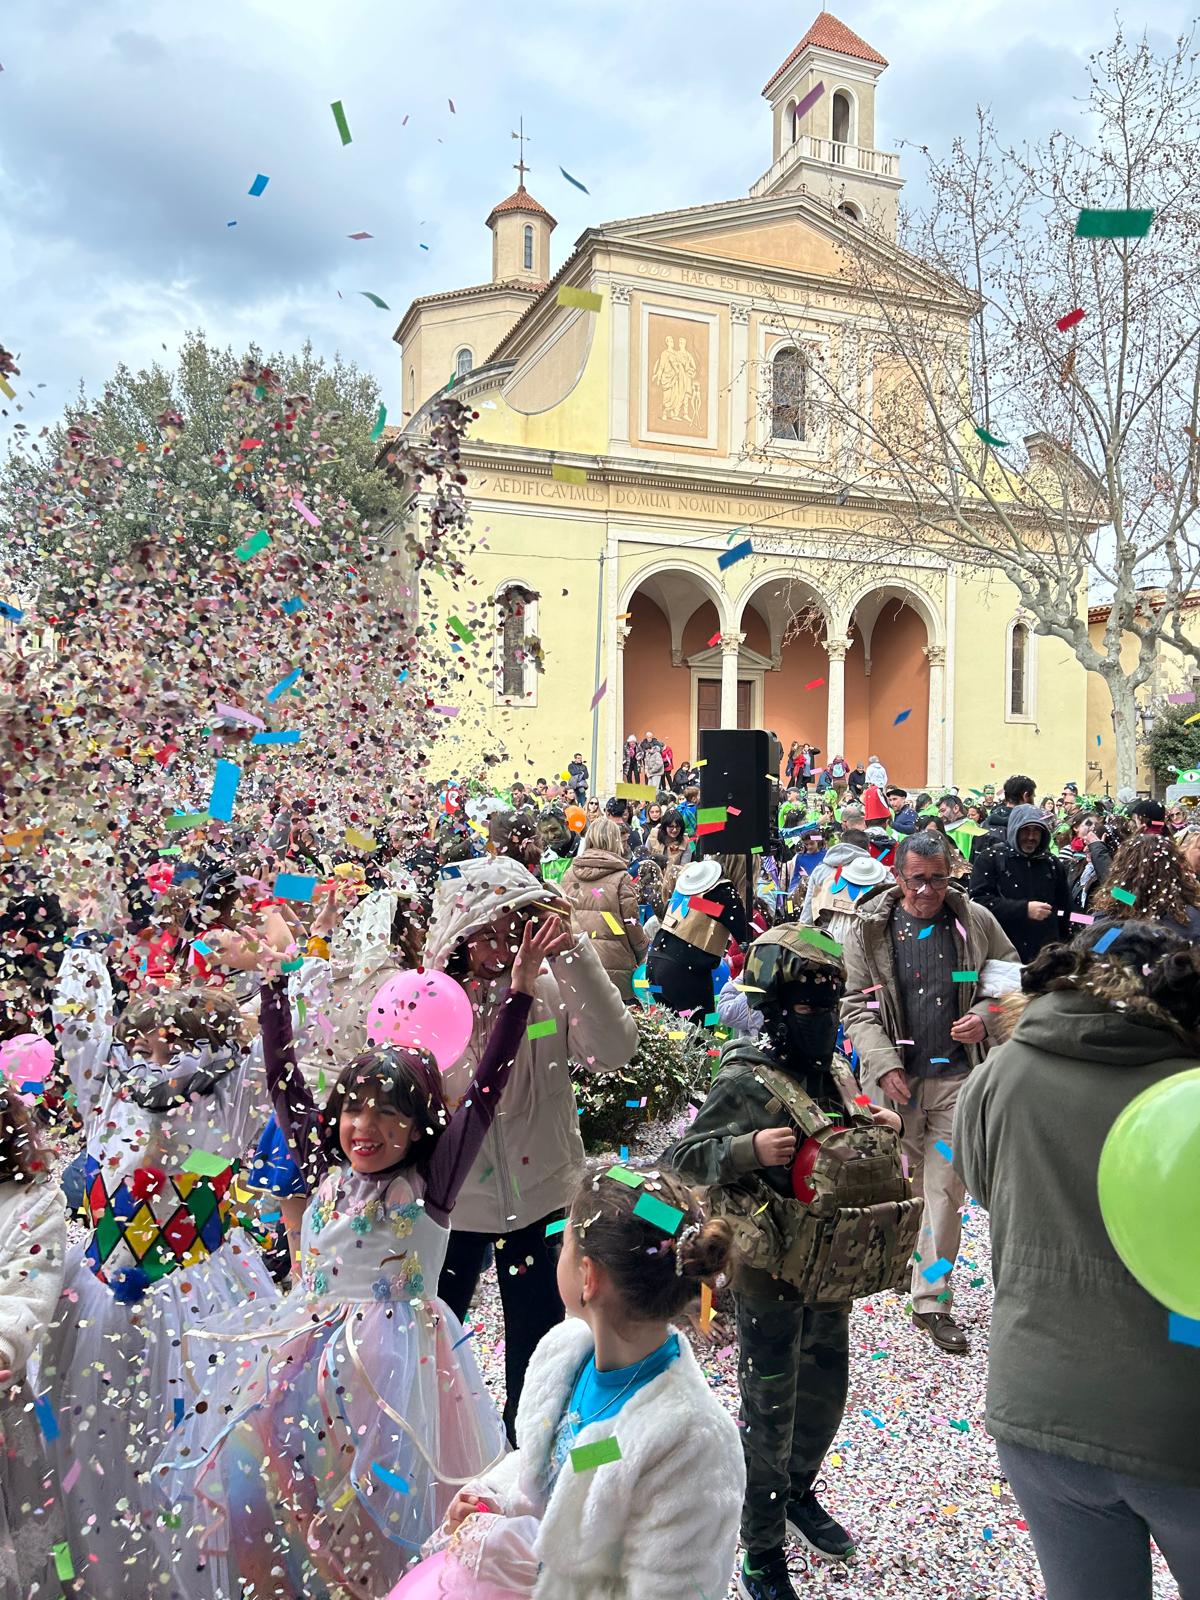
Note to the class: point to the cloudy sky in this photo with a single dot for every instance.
(130, 132)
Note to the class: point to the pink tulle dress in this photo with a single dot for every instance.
(329, 1432)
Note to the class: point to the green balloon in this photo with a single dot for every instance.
(1149, 1185)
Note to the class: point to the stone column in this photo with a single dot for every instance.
(835, 735)
(617, 694)
(731, 644)
(618, 425)
(739, 378)
(935, 772)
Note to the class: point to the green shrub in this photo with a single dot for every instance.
(664, 1070)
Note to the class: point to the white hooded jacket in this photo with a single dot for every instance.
(532, 1156)
(659, 1523)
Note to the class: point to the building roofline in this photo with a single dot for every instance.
(828, 33)
(476, 290)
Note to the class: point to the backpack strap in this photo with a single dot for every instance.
(802, 1108)
(848, 1088)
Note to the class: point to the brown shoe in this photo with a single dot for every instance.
(943, 1330)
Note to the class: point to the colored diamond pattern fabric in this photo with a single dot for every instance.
(155, 1221)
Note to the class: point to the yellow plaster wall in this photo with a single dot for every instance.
(1173, 673)
(442, 329)
(550, 556)
(862, 97)
(987, 748)
(579, 422)
(817, 122)
(778, 244)
(508, 247)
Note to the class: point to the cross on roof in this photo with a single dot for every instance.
(520, 166)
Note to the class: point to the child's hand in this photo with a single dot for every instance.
(775, 1147)
(884, 1117)
(465, 1504)
(326, 919)
(540, 942)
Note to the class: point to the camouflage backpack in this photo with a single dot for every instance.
(856, 1234)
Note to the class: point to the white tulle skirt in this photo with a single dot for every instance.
(329, 1442)
(31, 1519)
(115, 1375)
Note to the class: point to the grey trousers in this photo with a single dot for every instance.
(1091, 1527)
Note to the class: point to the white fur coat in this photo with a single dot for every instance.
(661, 1523)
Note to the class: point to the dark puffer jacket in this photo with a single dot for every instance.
(1006, 881)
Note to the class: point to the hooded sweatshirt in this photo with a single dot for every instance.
(532, 1156)
(1006, 881)
(1080, 1362)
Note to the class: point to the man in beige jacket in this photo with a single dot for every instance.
(912, 1012)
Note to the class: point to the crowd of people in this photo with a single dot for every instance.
(251, 1373)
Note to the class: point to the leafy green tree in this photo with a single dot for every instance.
(165, 433)
(1173, 746)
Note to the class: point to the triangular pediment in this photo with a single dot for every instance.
(791, 233)
(787, 244)
(748, 660)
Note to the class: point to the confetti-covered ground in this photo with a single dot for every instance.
(912, 1474)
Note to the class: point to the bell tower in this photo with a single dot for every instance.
(521, 230)
(826, 146)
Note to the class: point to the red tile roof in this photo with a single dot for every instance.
(829, 33)
(522, 200)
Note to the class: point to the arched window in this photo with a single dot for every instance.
(847, 210)
(412, 389)
(463, 362)
(518, 650)
(787, 394)
(1020, 676)
(528, 257)
(842, 113)
(793, 122)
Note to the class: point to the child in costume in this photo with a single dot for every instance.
(33, 1243)
(169, 1100)
(797, 1271)
(627, 1479)
(334, 1426)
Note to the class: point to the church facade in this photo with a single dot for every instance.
(629, 447)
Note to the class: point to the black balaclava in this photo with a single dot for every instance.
(803, 1042)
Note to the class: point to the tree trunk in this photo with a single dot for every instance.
(1124, 716)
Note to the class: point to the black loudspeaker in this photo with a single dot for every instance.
(738, 763)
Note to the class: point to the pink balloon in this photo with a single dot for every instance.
(439, 1575)
(28, 1058)
(422, 1582)
(426, 1009)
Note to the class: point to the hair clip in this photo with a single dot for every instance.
(684, 1235)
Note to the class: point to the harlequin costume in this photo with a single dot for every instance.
(166, 1250)
(345, 1416)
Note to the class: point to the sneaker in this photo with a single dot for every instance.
(944, 1331)
(810, 1523)
(770, 1581)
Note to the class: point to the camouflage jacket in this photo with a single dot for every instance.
(718, 1148)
